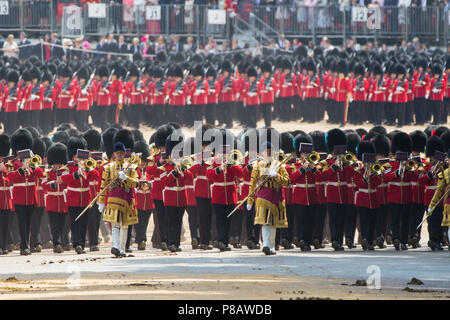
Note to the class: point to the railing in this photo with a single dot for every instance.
(431, 23)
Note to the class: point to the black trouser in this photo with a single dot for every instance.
(400, 214)
(175, 221)
(319, 222)
(211, 113)
(253, 231)
(376, 114)
(78, 228)
(224, 113)
(390, 112)
(14, 237)
(297, 111)
(417, 212)
(141, 226)
(367, 221)
(102, 113)
(434, 225)
(288, 233)
(238, 112)
(175, 114)
(446, 110)
(155, 236)
(66, 237)
(93, 224)
(36, 220)
(337, 220)
(204, 211)
(81, 119)
(4, 229)
(193, 221)
(196, 114)
(46, 235)
(128, 242)
(63, 116)
(381, 223)
(24, 216)
(250, 120)
(305, 216)
(350, 221)
(236, 224)
(57, 223)
(285, 109)
(266, 110)
(10, 122)
(409, 112)
(222, 222)
(156, 115)
(400, 109)
(162, 220)
(135, 112)
(420, 106)
(436, 109)
(33, 120)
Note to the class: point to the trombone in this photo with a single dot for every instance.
(350, 158)
(376, 168)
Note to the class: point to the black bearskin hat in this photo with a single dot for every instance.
(335, 137)
(142, 147)
(61, 136)
(419, 140)
(74, 144)
(57, 154)
(299, 139)
(5, 145)
(93, 139)
(353, 139)
(402, 142)
(319, 141)
(434, 144)
(39, 147)
(21, 139)
(126, 137)
(287, 144)
(161, 135)
(364, 147)
(266, 66)
(382, 144)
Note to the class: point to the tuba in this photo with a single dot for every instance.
(411, 165)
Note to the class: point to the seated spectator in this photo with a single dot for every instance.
(135, 47)
(189, 45)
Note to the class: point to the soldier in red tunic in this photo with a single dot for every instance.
(134, 94)
(5, 195)
(10, 102)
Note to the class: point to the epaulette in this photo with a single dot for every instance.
(387, 165)
(440, 176)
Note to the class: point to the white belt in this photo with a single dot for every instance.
(78, 189)
(93, 183)
(64, 96)
(190, 187)
(55, 193)
(25, 184)
(174, 188)
(247, 183)
(304, 185)
(368, 190)
(83, 99)
(223, 184)
(202, 177)
(428, 188)
(414, 183)
(351, 185)
(135, 93)
(337, 184)
(143, 191)
(400, 184)
(4, 189)
(39, 188)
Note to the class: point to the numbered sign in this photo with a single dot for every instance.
(97, 10)
(71, 23)
(4, 8)
(374, 18)
(359, 14)
(217, 16)
(153, 13)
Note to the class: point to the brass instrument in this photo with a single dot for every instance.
(281, 156)
(35, 161)
(411, 165)
(313, 158)
(376, 168)
(89, 164)
(235, 157)
(349, 158)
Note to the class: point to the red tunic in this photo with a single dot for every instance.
(54, 198)
(224, 186)
(24, 186)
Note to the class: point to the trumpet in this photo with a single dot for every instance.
(349, 158)
(376, 168)
(411, 165)
(235, 157)
(313, 158)
(153, 150)
(184, 163)
(89, 164)
(35, 161)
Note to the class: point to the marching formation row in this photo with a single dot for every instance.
(350, 86)
(287, 188)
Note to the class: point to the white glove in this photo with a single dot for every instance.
(123, 176)
(249, 207)
(101, 207)
(435, 90)
(70, 103)
(84, 92)
(273, 173)
(427, 96)
(22, 106)
(120, 101)
(428, 211)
